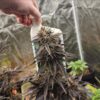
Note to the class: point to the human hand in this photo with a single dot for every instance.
(23, 9)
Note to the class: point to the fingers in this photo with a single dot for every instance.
(26, 20)
(23, 19)
(34, 12)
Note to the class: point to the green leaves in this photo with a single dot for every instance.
(77, 67)
(96, 95)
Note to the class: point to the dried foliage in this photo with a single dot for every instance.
(53, 83)
(51, 52)
(9, 49)
(7, 84)
(6, 74)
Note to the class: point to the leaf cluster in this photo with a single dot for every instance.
(77, 67)
(96, 95)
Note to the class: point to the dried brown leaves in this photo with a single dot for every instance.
(53, 83)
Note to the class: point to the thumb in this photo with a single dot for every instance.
(36, 14)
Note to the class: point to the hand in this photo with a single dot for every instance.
(23, 9)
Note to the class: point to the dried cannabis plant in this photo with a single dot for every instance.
(51, 52)
(7, 84)
(52, 82)
(6, 75)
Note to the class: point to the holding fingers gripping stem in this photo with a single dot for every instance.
(23, 9)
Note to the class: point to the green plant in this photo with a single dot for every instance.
(96, 95)
(77, 67)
